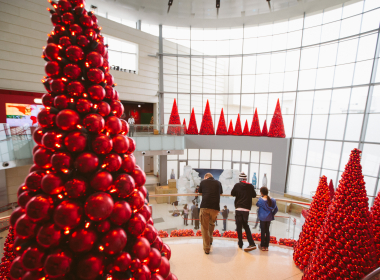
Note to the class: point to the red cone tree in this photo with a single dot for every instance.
(345, 248)
(332, 190)
(174, 120)
(265, 129)
(85, 216)
(255, 126)
(222, 128)
(184, 127)
(246, 129)
(8, 255)
(231, 128)
(276, 128)
(192, 128)
(375, 214)
(238, 127)
(313, 223)
(207, 126)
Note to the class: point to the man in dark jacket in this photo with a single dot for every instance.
(211, 190)
(244, 192)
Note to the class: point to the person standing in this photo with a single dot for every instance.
(196, 217)
(185, 213)
(264, 184)
(267, 209)
(225, 213)
(244, 192)
(131, 122)
(192, 212)
(211, 190)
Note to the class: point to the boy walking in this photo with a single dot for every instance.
(225, 213)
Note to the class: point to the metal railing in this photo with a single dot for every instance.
(374, 275)
(155, 129)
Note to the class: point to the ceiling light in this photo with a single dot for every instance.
(217, 6)
(170, 3)
(139, 106)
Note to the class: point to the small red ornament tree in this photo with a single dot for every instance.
(231, 128)
(207, 126)
(246, 129)
(375, 214)
(184, 127)
(314, 220)
(345, 248)
(238, 126)
(276, 128)
(174, 120)
(192, 128)
(331, 189)
(265, 129)
(255, 126)
(222, 128)
(8, 255)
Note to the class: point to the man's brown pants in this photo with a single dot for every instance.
(207, 218)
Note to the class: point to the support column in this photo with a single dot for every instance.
(139, 160)
(163, 170)
(138, 24)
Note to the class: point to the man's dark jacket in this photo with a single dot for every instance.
(211, 190)
(244, 192)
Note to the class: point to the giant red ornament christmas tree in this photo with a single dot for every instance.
(82, 211)
(331, 189)
(316, 215)
(207, 126)
(231, 128)
(255, 126)
(246, 129)
(345, 247)
(264, 132)
(192, 128)
(238, 126)
(184, 127)
(375, 214)
(174, 120)
(8, 255)
(222, 128)
(276, 128)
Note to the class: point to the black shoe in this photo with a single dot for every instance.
(250, 248)
(207, 253)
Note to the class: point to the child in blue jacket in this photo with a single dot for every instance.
(267, 210)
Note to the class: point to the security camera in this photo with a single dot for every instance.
(168, 152)
(143, 153)
(5, 164)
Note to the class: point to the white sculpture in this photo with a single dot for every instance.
(228, 179)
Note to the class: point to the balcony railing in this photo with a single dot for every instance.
(155, 129)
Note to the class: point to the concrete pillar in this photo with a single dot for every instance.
(163, 170)
(139, 160)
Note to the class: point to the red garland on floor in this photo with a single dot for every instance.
(8, 255)
(192, 128)
(222, 128)
(345, 248)
(238, 126)
(265, 129)
(276, 128)
(174, 120)
(255, 126)
(207, 126)
(184, 127)
(246, 129)
(82, 212)
(231, 128)
(375, 214)
(317, 213)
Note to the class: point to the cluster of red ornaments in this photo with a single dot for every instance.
(8, 255)
(345, 247)
(316, 215)
(163, 234)
(287, 242)
(207, 126)
(375, 214)
(182, 233)
(215, 233)
(82, 211)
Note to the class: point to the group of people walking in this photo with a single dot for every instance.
(243, 192)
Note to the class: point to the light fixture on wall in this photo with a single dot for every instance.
(217, 6)
(139, 106)
(270, 8)
(170, 3)
(37, 100)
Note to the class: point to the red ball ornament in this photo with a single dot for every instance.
(67, 120)
(17, 213)
(103, 226)
(37, 135)
(90, 34)
(132, 145)
(52, 51)
(57, 86)
(95, 75)
(46, 118)
(98, 206)
(65, 41)
(124, 185)
(53, 140)
(47, 100)
(136, 200)
(90, 266)
(52, 69)
(120, 143)
(42, 158)
(101, 181)
(139, 176)
(82, 240)
(124, 128)
(83, 41)
(96, 92)
(110, 93)
(106, 65)
(114, 241)
(74, 53)
(102, 144)
(150, 233)
(61, 102)
(122, 262)
(143, 190)
(171, 277)
(68, 18)
(83, 105)
(33, 275)
(156, 277)
(33, 180)
(117, 108)
(57, 265)
(135, 264)
(52, 184)
(100, 48)
(153, 261)
(75, 141)
(59, 30)
(141, 248)
(94, 60)
(67, 214)
(64, 6)
(116, 95)
(76, 187)
(61, 162)
(48, 235)
(55, 19)
(121, 213)
(104, 109)
(166, 251)
(136, 224)
(94, 123)
(39, 208)
(109, 79)
(158, 243)
(113, 126)
(146, 212)
(86, 162)
(75, 88)
(17, 270)
(86, 20)
(24, 198)
(112, 162)
(72, 71)
(25, 227)
(32, 258)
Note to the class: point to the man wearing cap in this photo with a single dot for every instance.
(244, 192)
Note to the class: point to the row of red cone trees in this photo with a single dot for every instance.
(276, 128)
(341, 237)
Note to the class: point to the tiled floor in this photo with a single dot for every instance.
(227, 262)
